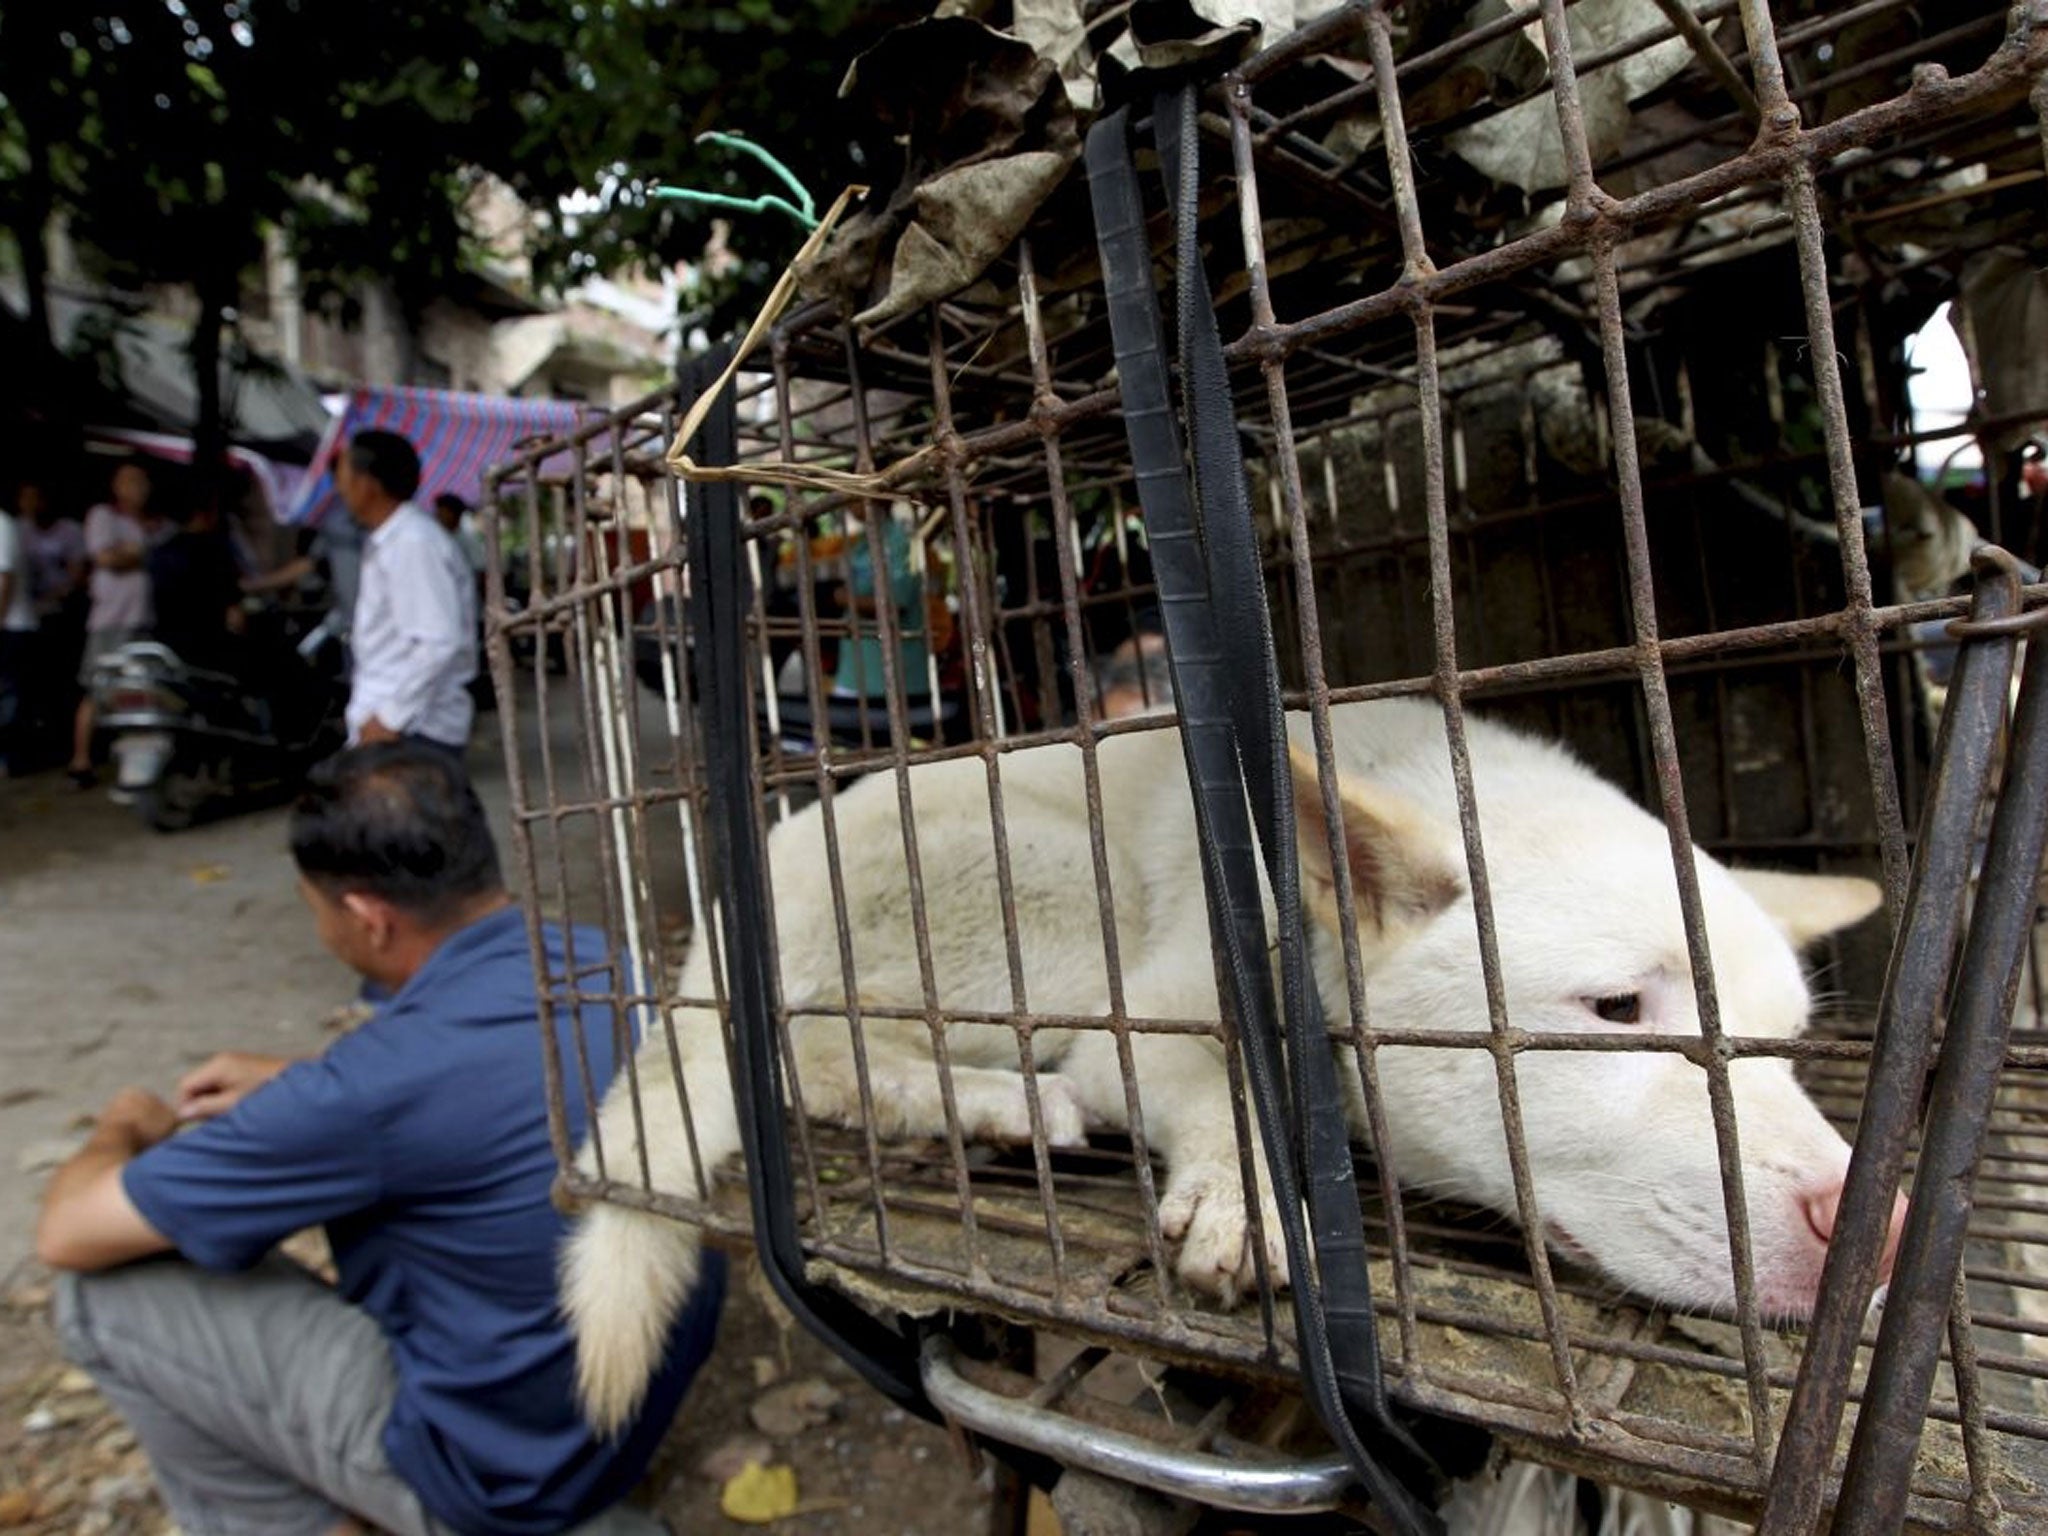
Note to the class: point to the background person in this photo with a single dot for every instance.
(58, 563)
(454, 514)
(195, 590)
(861, 672)
(414, 638)
(431, 1391)
(117, 537)
(57, 571)
(334, 554)
(17, 642)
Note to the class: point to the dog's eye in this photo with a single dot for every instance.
(1622, 1008)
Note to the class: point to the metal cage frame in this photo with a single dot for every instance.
(1010, 403)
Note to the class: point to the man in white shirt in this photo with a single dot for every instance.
(414, 635)
(17, 637)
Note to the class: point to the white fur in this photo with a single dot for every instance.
(1621, 1146)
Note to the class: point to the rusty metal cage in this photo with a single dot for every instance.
(1605, 456)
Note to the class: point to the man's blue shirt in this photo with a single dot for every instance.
(421, 1142)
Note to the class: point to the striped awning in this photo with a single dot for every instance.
(459, 438)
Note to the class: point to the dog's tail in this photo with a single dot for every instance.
(625, 1276)
(626, 1273)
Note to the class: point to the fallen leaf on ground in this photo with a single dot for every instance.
(17, 1507)
(794, 1407)
(210, 874)
(29, 1298)
(733, 1455)
(758, 1495)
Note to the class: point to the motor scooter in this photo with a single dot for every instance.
(185, 738)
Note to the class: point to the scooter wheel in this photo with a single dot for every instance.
(171, 804)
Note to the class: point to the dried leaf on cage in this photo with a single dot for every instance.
(949, 90)
(953, 86)
(966, 217)
(989, 124)
(1171, 34)
(2006, 302)
(1057, 33)
(1523, 145)
(760, 1495)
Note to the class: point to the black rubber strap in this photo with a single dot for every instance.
(720, 592)
(1226, 681)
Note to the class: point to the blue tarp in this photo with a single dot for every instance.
(459, 438)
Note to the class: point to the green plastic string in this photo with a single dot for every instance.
(803, 210)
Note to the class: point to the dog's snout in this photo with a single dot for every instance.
(1891, 1238)
(1823, 1207)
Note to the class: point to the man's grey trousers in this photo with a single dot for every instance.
(260, 1398)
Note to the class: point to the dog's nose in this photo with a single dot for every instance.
(1823, 1206)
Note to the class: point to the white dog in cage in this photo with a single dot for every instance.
(1620, 1144)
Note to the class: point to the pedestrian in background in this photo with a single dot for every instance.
(57, 562)
(17, 639)
(117, 539)
(57, 570)
(195, 591)
(414, 638)
(454, 514)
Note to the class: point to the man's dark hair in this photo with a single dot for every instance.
(399, 821)
(388, 459)
(448, 501)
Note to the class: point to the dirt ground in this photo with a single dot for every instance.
(125, 957)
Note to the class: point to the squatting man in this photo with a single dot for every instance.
(429, 1390)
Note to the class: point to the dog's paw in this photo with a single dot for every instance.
(1204, 1211)
(997, 1108)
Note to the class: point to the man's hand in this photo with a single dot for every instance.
(88, 1221)
(218, 1085)
(137, 1119)
(375, 730)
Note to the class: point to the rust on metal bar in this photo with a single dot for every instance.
(1693, 605)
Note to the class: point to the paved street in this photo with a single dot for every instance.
(125, 957)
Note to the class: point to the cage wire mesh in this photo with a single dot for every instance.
(1570, 350)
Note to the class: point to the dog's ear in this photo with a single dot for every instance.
(1401, 872)
(1810, 907)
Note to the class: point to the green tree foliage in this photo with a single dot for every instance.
(173, 133)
